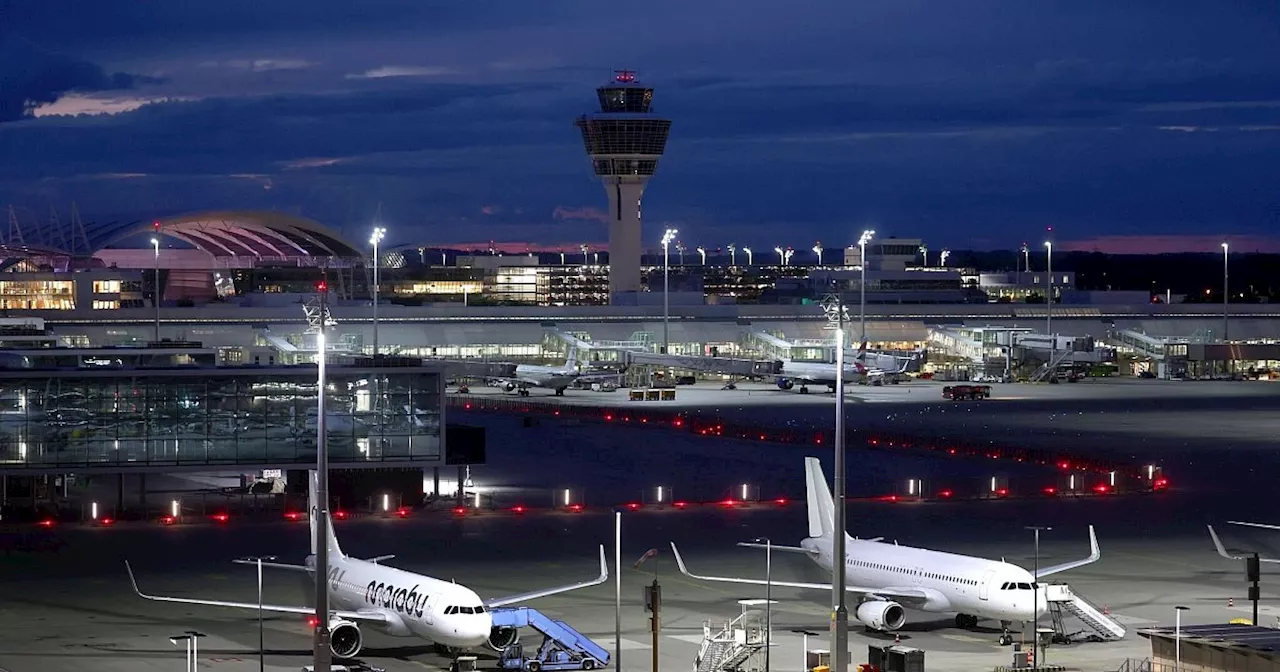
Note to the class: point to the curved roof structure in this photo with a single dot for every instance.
(235, 234)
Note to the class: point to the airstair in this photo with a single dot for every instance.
(562, 646)
(1050, 368)
(733, 647)
(1062, 601)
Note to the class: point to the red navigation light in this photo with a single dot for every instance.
(517, 509)
(945, 494)
(575, 507)
(459, 510)
(47, 522)
(293, 515)
(781, 501)
(625, 76)
(1002, 492)
(633, 506)
(403, 512)
(680, 505)
(340, 515)
(313, 621)
(155, 226)
(1101, 488)
(220, 517)
(1050, 490)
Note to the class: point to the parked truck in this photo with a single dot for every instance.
(962, 392)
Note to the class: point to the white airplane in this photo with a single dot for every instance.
(557, 378)
(813, 373)
(888, 576)
(365, 593)
(1222, 550)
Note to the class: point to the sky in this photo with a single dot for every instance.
(973, 124)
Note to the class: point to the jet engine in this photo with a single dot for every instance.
(509, 386)
(785, 383)
(882, 615)
(345, 639)
(500, 638)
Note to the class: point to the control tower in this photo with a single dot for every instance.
(625, 141)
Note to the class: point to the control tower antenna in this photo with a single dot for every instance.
(625, 140)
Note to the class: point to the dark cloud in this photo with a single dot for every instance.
(958, 120)
(30, 77)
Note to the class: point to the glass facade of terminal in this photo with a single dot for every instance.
(217, 416)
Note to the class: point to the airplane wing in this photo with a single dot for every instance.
(900, 593)
(1261, 525)
(361, 616)
(1094, 554)
(785, 549)
(1222, 550)
(524, 597)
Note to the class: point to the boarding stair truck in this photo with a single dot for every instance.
(1098, 623)
(563, 648)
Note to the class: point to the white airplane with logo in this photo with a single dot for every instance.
(813, 373)
(367, 594)
(888, 577)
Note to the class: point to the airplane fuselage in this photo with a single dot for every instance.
(955, 583)
(417, 606)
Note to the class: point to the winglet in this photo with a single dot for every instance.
(1095, 554)
(1222, 550)
(133, 580)
(680, 561)
(604, 566)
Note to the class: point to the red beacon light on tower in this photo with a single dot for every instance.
(624, 76)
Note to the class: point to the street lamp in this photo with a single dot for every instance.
(1177, 637)
(378, 234)
(924, 254)
(319, 320)
(155, 243)
(562, 257)
(786, 256)
(702, 252)
(782, 258)
(749, 257)
(1035, 598)
(261, 646)
(833, 308)
(1048, 301)
(584, 249)
(768, 596)
(817, 249)
(667, 237)
(733, 255)
(942, 258)
(1225, 293)
(862, 302)
(680, 248)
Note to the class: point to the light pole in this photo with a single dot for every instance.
(733, 255)
(667, 237)
(562, 257)
(261, 645)
(155, 243)
(833, 307)
(924, 254)
(942, 258)
(1225, 293)
(1035, 599)
(1177, 637)
(319, 320)
(702, 252)
(768, 596)
(749, 257)
(378, 234)
(782, 258)
(584, 248)
(817, 249)
(190, 637)
(1048, 299)
(862, 301)
(680, 248)
(786, 257)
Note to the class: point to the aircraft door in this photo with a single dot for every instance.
(429, 610)
(986, 584)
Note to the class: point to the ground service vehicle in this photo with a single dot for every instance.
(961, 392)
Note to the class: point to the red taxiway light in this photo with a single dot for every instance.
(1002, 492)
(47, 522)
(945, 494)
(106, 521)
(340, 515)
(1160, 483)
(575, 507)
(729, 502)
(517, 509)
(608, 416)
(781, 501)
(633, 506)
(167, 520)
(403, 512)
(1050, 490)
(293, 515)
(1101, 488)
(460, 510)
(680, 505)
(313, 621)
(889, 498)
(220, 517)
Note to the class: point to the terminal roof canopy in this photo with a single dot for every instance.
(232, 234)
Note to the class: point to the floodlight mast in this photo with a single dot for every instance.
(837, 315)
(319, 320)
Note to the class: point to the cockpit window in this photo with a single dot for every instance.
(450, 610)
(479, 610)
(465, 610)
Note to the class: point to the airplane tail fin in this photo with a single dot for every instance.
(571, 362)
(314, 516)
(821, 508)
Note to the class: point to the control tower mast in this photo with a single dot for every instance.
(625, 141)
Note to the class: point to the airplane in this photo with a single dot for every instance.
(815, 373)
(888, 577)
(1222, 550)
(557, 378)
(875, 365)
(368, 594)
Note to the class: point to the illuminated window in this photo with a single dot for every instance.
(37, 294)
(106, 287)
(105, 305)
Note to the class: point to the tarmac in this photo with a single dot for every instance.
(73, 610)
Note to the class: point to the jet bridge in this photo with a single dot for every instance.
(732, 366)
(464, 368)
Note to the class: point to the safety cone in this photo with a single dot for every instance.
(1231, 601)
(1105, 610)
(897, 639)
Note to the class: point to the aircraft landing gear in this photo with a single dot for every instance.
(966, 621)
(524, 392)
(1005, 638)
(559, 391)
(804, 389)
